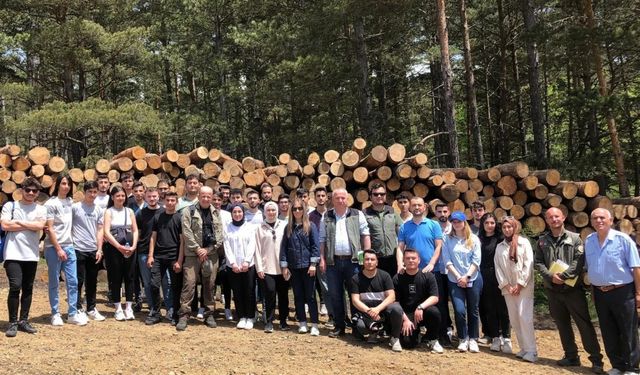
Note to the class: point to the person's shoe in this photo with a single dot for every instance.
(435, 347)
(450, 333)
(285, 327)
(336, 332)
(506, 346)
(566, 362)
(12, 330)
(152, 319)
(210, 321)
(614, 371)
(78, 319)
(597, 368)
(496, 343)
(473, 346)
(95, 315)
(56, 320)
(630, 373)
(200, 314)
(303, 327)
(521, 354)
(330, 324)
(25, 326)
(464, 345)
(228, 315)
(137, 307)
(446, 342)
(119, 315)
(484, 340)
(530, 357)
(182, 323)
(249, 324)
(323, 310)
(128, 314)
(314, 330)
(268, 328)
(242, 323)
(394, 343)
(372, 339)
(169, 314)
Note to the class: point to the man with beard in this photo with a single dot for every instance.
(253, 214)
(191, 187)
(384, 225)
(442, 215)
(316, 216)
(266, 193)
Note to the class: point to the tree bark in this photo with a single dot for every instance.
(364, 89)
(501, 104)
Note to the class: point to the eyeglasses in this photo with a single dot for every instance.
(296, 209)
(378, 194)
(30, 190)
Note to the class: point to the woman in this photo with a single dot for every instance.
(121, 239)
(239, 249)
(60, 254)
(514, 271)
(267, 259)
(491, 299)
(299, 256)
(461, 258)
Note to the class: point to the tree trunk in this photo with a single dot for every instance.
(517, 87)
(364, 89)
(501, 103)
(447, 85)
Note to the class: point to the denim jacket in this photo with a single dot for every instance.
(299, 250)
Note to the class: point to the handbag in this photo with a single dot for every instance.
(121, 233)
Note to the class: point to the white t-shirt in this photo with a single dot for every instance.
(253, 218)
(24, 244)
(59, 210)
(102, 201)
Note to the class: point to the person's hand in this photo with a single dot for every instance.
(407, 327)
(401, 270)
(462, 281)
(286, 274)
(312, 271)
(427, 268)
(150, 262)
(177, 267)
(516, 290)
(245, 267)
(62, 256)
(235, 268)
(556, 279)
(323, 265)
(202, 254)
(98, 256)
(418, 315)
(637, 300)
(261, 274)
(374, 313)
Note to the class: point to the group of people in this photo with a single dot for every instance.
(398, 270)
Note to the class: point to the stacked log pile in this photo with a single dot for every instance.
(507, 189)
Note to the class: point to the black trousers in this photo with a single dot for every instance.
(493, 306)
(272, 286)
(443, 303)
(225, 284)
(243, 285)
(392, 316)
(21, 275)
(619, 326)
(430, 320)
(119, 269)
(158, 270)
(87, 270)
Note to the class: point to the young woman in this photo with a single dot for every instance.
(239, 249)
(461, 258)
(121, 238)
(514, 271)
(60, 254)
(267, 258)
(491, 299)
(299, 256)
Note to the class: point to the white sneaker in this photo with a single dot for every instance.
(436, 347)
(227, 314)
(56, 320)
(95, 315)
(473, 346)
(395, 344)
(314, 330)
(200, 313)
(248, 324)
(242, 323)
(222, 300)
(119, 315)
(496, 343)
(530, 357)
(77, 319)
(323, 310)
(506, 346)
(464, 345)
(128, 314)
(303, 327)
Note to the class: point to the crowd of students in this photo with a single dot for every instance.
(398, 270)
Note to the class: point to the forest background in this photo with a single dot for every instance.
(469, 82)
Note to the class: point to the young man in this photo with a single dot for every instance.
(164, 256)
(266, 193)
(87, 234)
(303, 194)
(442, 215)
(225, 190)
(384, 226)
(253, 214)
(145, 219)
(126, 179)
(102, 199)
(191, 187)
(404, 206)
(316, 216)
(163, 188)
(283, 207)
(235, 196)
(24, 221)
(478, 211)
(138, 197)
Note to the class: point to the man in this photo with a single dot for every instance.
(566, 301)
(88, 236)
(253, 214)
(373, 296)
(145, 219)
(191, 187)
(613, 267)
(102, 200)
(164, 249)
(235, 196)
(442, 215)
(478, 211)
(283, 208)
(417, 293)
(217, 203)
(384, 225)
(303, 193)
(266, 193)
(344, 234)
(163, 188)
(405, 207)
(223, 270)
(202, 231)
(138, 197)
(24, 221)
(320, 194)
(225, 191)
(126, 180)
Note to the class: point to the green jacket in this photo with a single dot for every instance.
(383, 228)
(353, 232)
(569, 249)
(192, 230)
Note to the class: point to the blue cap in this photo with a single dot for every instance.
(457, 215)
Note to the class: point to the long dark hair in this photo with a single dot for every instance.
(59, 179)
(114, 190)
(497, 232)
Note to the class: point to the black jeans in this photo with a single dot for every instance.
(159, 269)
(391, 316)
(225, 284)
(87, 273)
(492, 304)
(243, 285)
(303, 293)
(273, 285)
(119, 269)
(21, 275)
(443, 303)
(430, 320)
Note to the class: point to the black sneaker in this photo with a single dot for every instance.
(567, 362)
(336, 332)
(597, 368)
(153, 319)
(210, 321)
(284, 327)
(137, 307)
(24, 326)
(182, 323)
(12, 330)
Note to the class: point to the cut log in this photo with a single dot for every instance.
(517, 211)
(11, 150)
(469, 196)
(46, 181)
(577, 204)
(504, 202)
(550, 177)
(418, 160)
(540, 192)
(8, 187)
(632, 211)
(122, 164)
(350, 159)
(154, 161)
(376, 158)
(337, 183)
(198, 154)
(133, 153)
(448, 192)
(528, 183)
(533, 209)
(90, 174)
(435, 181)
(324, 180)
(274, 180)
(403, 171)
(76, 175)
(56, 165)
(331, 156)
(323, 168)
(600, 201)
(552, 200)
(619, 211)
(5, 161)
(249, 164)
(37, 171)
(396, 153)
(362, 195)
(578, 219)
(423, 172)
(488, 191)
(313, 159)
(520, 198)
(211, 169)
(489, 204)
(625, 226)
(237, 183)
(465, 173)
(347, 176)
(166, 167)
(535, 224)
(384, 173)
(293, 167)
(284, 158)
(139, 165)
(184, 161)
(308, 183)
(462, 185)
(359, 144)
(18, 177)
(39, 155)
(516, 169)
(448, 177)
(489, 175)
(113, 175)
(280, 170)
(566, 189)
(476, 185)
(192, 169)
(420, 190)
(20, 163)
(291, 182)
(506, 185)
(253, 179)
(407, 184)
(337, 168)
(361, 175)
(309, 171)
(393, 184)
(587, 189)
(103, 166)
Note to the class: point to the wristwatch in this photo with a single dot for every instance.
(420, 307)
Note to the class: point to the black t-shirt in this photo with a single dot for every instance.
(168, 228)
(412, 290)
(371, 290)
(144, 219)
(207, 227)
(488, 247)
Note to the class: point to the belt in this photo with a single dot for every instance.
(608, 288)
(342, 257)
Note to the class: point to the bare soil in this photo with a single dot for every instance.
(112, 347)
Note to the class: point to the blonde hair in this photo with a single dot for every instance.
(306, 227)
(466, 232)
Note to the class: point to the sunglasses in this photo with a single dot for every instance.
(30, 190)
(378, 194)
(296, 209)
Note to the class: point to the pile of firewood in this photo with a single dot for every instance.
(507, 189)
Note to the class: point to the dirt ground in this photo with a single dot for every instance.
(112, 347)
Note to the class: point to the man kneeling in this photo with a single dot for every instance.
(373, 295)
(417, 293)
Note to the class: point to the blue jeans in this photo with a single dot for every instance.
(338, 277)
(304, 292)
(54, 266)
(145, 274)
(465, 305)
